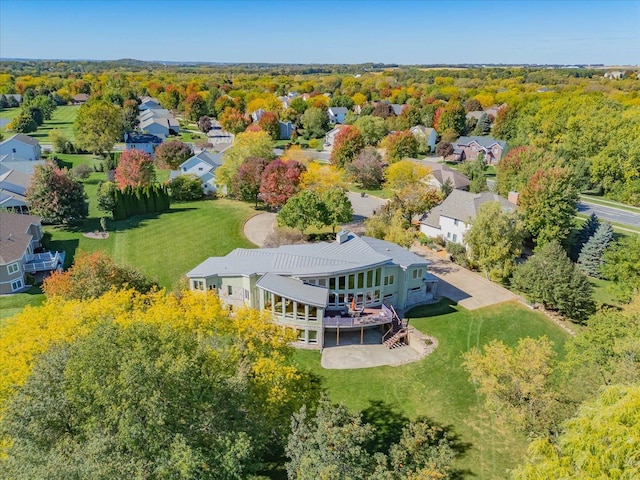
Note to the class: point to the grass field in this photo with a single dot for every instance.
(437, 386)
(12, 304)
(62, 119)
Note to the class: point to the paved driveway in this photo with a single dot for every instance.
(468, 289)
(258, 227)
(364, 207)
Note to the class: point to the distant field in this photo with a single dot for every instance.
(62, 119)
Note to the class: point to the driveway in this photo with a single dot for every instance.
(258, 227)
(467, 288)
(364, 207)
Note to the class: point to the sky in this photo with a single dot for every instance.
(330, 31)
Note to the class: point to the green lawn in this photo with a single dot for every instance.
(437, 386)
(12, 304)
(62, 119)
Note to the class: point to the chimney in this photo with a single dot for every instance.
(342, 237)
(513, 197)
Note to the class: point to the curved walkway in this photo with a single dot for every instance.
(258, 227)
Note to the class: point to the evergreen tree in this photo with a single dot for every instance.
(591, 256)
(483, 127)
(584, 234)
(141, 205)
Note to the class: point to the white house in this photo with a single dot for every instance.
(427, 136)
(330, 136)
(453, 217)
(20, 147)
(257, 114)
(203, 165)
(312, 287)
(337, 114)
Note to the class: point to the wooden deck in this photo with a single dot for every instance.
(370, 317)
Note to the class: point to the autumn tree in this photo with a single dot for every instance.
(246, 182)
(475, 170)
(280, 181)
(383, 110)
(56, 195)
(405, 172)
(270, 123)
(444, 149)
(92, 275)
(516, 381)
(172, 154)
(599, 442)
(321, 177)
(194, 107)
(367, 169)
(550, 278)
(135, 169)
(98, 126)
(400, 145)
(452, 118)
(23, 123)
(495, 240)
(549, 203)
(245, 145)
(232, 121)
(204, 124)
(372, 128)
(517, 167)
(415, 199)
(390, 225)
(130, 115)
(347, 145)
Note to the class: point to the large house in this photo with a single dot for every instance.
(20, 147)
(20, 237)
(468, 148)
(142, 141)
(157, 121)
(453, 217)
(309, 287)
(203, 165)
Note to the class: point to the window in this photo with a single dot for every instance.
(13, 268)
(198, 285)
(369, 278)
(455, 222)
(322, 282)
(301, 335)
(246, 294)
(17, 285)
(389, 280)
(352, 281)
(378, 276)
(417, 273)
(361, 280)
(341, 283)
(448, 234)
(455, 237)
(229, 290)
(313, 336)
(332, 283)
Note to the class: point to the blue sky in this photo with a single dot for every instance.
(404, 32)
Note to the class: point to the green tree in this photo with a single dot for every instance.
(245, 145)
(337, 207)
(302, 211)
(172, 154)
(372, 128)
(476, 170)
(315, 122)
(516, 381)
(452, 118)
(367, 169)
(61, 143)
(601, 441)
(622, 266)
(45, 104)
(186, 188)
(590, 260)
(549, 203)
(98, 126)
(194, 107)
(550, 278)
(56, 195)
(483, 127)
(495, 240)
(583, 235)
(106, 196)
(23, 123)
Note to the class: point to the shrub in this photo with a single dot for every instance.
(82, 171)
(185, 188)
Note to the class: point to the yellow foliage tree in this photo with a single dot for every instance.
(322, 176)
(405, 172)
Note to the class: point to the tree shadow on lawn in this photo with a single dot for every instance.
(68, 246)
(444, 307)
(389, 423)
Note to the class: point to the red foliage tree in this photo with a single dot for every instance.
(280, 181)
(347, 146)
(172, 154)
(246, 183)
(269, 123)
(135, 168)
(233, 121)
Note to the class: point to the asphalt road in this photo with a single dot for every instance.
(610, 213)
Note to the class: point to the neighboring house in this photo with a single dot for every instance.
(161, 117)
(441, 173)
(427, 135)
(286, 129)
(154, 112)
(142, 141)
(330, 136)
(397, 109)
(148, 102)
(309, 287)
(13, 190)
(453, 217)
(468, 148)
(337, 114)
(79, 99)
(493, 110)
(203, 165)
(6, 165)
(20, 237)
(615, 74)
(15, 96)
(477, 114)
(20, 147)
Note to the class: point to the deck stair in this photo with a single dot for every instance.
(398, 334)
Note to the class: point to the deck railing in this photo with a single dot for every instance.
(41, 261)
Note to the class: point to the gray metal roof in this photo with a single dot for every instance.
(463, 206)
(294, 289)
(308, 259)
